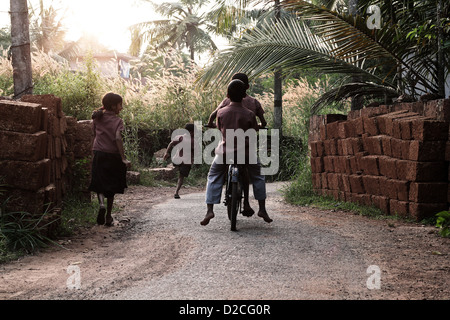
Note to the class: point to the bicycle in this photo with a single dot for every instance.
(234, 189)
(233, 192)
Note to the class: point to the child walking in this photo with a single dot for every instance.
(109, 165)
(183, 168)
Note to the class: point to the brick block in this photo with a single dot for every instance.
(356, 183)
(316, 180)
(24, 200)
(405, 127)
(340, 164)
(427, 150)
(426, 171)
(84, 130)
(347, 146)
(369, 165)
(420, 211)
(359, 126)
(438, 109)
(330, 147)
(387, 166)
(346, 183)
(381, 203)
(371, 185)
(341, 130)
(357, 145)
(23, 146)
(333, 130)
(428, 192)
(350, 129)
(339, 150)
(373, 144)
(26, 175)
(320, 149)
(400, 208)
(386, 145)
(328, 164)
(347, 164)
(402, 169)
(324, 181)
(375, 111)
(20, 116)
(431, 130)
(370, 126)
(405, 146)
(354, 168)
(316, 164)
(334, 181)
(401, 127)
(323, 132)
(402, 189)
(49, 101)
(385, 122)
(359, 162)
(389, 189)
(362, 199)
(399, 147)
(313, 148)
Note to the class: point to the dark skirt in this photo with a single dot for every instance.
(108, 174)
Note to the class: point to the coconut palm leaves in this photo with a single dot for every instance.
(317, 37)
(181, 29)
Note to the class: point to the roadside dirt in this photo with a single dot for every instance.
(414, 258)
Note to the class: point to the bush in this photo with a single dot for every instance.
(443, 223)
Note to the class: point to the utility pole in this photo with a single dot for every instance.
(20, 48)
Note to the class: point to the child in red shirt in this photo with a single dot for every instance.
(109, 165)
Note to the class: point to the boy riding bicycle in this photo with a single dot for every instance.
(234, 116)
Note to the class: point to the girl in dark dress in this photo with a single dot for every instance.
(109, 165)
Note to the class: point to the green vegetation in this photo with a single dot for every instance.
(443, 223)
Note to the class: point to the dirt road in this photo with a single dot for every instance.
(158, 250)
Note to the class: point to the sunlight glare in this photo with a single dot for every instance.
(105, 20)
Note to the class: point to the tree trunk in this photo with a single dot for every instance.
(440, 52)
(278, 88)
(20, 48)
(357, 101)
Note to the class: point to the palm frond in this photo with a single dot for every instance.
(353, 39)
(352, 90)
(289, 44)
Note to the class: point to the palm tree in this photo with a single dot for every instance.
(336, 42)
(46, 32)
(183, 28)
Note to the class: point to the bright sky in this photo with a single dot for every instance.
(108, 20)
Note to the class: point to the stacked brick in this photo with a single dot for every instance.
(39, 147)
(55, 126)
(24, 165)
(391, 157)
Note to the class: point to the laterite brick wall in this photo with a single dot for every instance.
(38, 147)
(393, 157)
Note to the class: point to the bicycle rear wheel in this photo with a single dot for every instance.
(233, 208)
